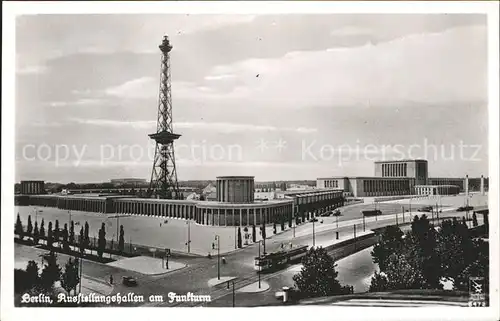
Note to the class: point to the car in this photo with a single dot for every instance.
(129, 281)
(465, 208)
(313, 219)
(425, 209)
(336, 213)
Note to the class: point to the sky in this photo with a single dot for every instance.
(278, 97)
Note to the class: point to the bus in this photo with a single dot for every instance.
(371, 212)
(276, 260)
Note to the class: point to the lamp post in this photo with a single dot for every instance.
(364, 228)
(314, 236)
(233, 290)
(217, 238)
(188, 243)
(354, 236)
(258, 272)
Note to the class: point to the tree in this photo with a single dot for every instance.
(422, 249)
(29, 228)
(70, 277)
(318, 276)
(71, 239)
(402, 273)
(86, 236)
(20, 283)
(32, 275)
(254, 236)
(18, 229)
(101, 242)
(464, 222)
(457, 252)
(65, 243)
(82, 241)
(57, 233)
(121, 242)
(50, 239)
(51, 272)
(391, 242)
(379, 282)
(36, 234)
(42, 229)
(239, 238)
(474, 220)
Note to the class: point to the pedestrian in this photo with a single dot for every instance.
(111, 279)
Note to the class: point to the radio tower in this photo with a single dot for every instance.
(163, 182)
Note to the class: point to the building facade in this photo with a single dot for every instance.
(235, 189)
(410, 168)
(395, 178)
(289, 206)
(32, 187)
(369, 186)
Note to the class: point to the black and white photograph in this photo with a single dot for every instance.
(255, 158)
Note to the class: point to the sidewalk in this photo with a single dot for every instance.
(147, 265)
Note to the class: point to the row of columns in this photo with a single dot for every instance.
(209, 216)
(32, 187)
(437, 190)
(332, 183)
(306, 211)
(394, 170)
(318, 197)
(244, 216)
(230, 190)
(86, 205)
(185, 211)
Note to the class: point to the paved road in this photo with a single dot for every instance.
(195, 276)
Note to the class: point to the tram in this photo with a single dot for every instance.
(276, 260)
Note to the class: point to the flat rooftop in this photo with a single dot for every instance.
(235, 177)
(401, 160)
(366, 177)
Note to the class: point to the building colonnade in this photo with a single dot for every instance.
(395, 170)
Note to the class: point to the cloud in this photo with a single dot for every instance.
(351, 31)
(217, 127)
(32, 70)
(219, 77)
(235, 127)
(115, 123)
(432, 68)
(79, 102)
(140, 88)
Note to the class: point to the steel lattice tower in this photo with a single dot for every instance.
(163, 182)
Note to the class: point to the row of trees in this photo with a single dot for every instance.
(31, 281)
(424, 256)
(65, 238)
